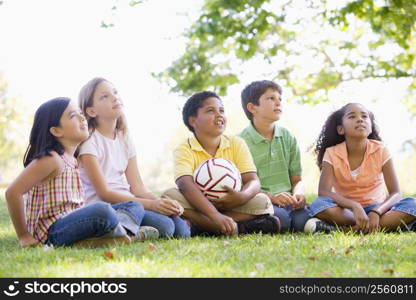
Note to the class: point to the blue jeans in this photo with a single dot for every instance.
(290, 219)
(93, 220)
(407, 205)
(167, 226)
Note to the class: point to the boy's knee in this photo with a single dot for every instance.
(166, 227)
(283, 216)
(299, 219)
(182, 229)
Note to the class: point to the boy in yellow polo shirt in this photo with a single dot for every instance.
(245, 211)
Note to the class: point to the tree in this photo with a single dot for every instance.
(13, 134)
(344, 40)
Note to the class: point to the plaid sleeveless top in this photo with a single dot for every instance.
(49, 201)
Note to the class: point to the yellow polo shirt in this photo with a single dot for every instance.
(190, 154)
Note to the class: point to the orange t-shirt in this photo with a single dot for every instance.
(368, 186)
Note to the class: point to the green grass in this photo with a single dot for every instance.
(287, 255)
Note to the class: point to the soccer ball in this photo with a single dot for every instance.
(214, 173)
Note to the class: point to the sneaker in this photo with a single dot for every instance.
(146, 233)
(317, 225)
(97, 242)
(198, 231)
(412, 226)
(266, 224)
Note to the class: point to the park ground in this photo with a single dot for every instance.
(285, 255)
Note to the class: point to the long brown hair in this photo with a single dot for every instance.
(85, 100)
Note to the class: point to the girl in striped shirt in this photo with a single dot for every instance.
(51, 187)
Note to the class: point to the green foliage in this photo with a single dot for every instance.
(189, 68)
(13, 132)
(394, 20)
(225, 29)
(310, 46)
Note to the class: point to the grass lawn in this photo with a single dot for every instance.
(287, 255)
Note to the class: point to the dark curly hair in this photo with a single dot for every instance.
(190, 109)
(329, 135)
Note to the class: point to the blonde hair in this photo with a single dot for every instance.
(85, 100)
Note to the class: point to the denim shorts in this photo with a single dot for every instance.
(406, 205)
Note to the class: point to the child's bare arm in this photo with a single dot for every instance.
(251, 186)
(298, 191)
(164, 206)
(393, 188)
(36, 172)
(96, 176)
(98, 181)
(135, 181)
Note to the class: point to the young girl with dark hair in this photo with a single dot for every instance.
(51, 185)
(355, 168)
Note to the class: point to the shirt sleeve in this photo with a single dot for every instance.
(386, 155)
(243, 159)
(183, 161)
(327, 157)
(295, 167)
(131, 149)
(89, 147)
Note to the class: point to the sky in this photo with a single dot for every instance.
(51, 48)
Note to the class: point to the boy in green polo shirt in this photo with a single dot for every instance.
(238, 212)
(275, 153)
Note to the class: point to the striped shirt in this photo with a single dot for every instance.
(276, 160)
(49, 201)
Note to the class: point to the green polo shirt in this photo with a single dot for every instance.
(276, 160)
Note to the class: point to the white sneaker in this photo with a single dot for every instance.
(317, 225)
(146, 233)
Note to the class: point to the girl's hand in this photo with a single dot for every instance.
(300, 201)
(361, 218)
(167, 207)
(374, 222)
(27, 240)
